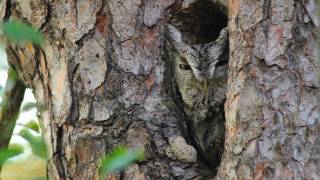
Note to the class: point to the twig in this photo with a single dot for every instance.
(10, 107)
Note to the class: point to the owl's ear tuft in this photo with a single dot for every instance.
(174, 34)
(182, 48)
(223, 38)
(200, 21)
(218, 50)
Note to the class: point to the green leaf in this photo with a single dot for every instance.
(28, 106)
(37, 143)
(33, 125)
(19, 32)
(119, 159)
(12, 151)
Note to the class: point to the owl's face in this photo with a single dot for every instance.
(191, 88)
(197, 68)
(195, 83)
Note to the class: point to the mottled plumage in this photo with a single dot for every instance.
(200, 72)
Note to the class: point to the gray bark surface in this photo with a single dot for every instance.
(273, 100)
(100, 82)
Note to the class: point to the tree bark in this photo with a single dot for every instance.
(273, 100)
(99, 81)
(102, 82)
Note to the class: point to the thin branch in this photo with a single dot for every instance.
(10, 107)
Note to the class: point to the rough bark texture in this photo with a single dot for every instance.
(273, 105)
(101, 82)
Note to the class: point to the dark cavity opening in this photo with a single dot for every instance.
(201, 22)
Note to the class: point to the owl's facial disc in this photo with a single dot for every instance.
(202, 81)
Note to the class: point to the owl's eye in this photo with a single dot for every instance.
(184, 67)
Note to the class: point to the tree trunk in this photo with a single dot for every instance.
(101, 81)
(273, 100)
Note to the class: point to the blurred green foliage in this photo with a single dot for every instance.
(33, 125)
(18, 32)
(10, 152)
(28, 106)
(37, 143)
(120, 158)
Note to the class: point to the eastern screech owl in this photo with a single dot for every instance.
(200, 72)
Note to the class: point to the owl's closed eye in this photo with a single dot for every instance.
(184, 67)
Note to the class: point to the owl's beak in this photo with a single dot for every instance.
(205, 85)
(202, 83)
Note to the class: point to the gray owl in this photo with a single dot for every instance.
(200, 73)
